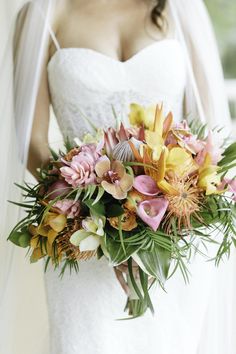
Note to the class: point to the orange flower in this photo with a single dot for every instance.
(51, 226)
(133, 199)
(128, 221)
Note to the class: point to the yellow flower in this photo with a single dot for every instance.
(180, 162)
(156, 125)
(159, 176)
(154, 137)
(176, 162)
(208, 177)
(142, 116)
(52, 224)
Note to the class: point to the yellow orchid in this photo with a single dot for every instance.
(142, 116)
(52, 224)
(208, 176)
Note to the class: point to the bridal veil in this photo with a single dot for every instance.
(23, 311)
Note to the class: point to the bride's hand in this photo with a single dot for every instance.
(122, 269)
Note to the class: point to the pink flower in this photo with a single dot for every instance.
(211, 149)
(92, 150)
(182, 136)
(80, 171)
(68, 207)
(113, 137)
(113, 177)
(181, 126)
(152, 211)
(146, 185)
(231, 186)
(192, 144)
(59, 188)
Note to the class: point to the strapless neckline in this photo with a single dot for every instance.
(94, 52)
(86, 85)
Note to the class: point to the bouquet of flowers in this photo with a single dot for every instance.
(141, 193)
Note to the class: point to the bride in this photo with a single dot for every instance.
(99, 54)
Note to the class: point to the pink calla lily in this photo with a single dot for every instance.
(146, 185)
(152, 211)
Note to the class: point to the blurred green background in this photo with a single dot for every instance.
(223, 14)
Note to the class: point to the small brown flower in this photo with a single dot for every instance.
(134, 198)
(71, 154)
(72, 252)
(128, 221)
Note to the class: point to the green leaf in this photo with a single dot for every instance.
(97, 208)
(116, 252)
(24, 240)
(68, 145)
(144, 282)
(229, 155)
(121, 235)
(54, 154)
(93, 188)
(100, 193)
(14, 237)
(132, 279)
(99, 252)
(156, 262)
(87, 191)
(21, 239)
(114, 210)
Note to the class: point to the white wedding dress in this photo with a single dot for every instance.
(84, 307)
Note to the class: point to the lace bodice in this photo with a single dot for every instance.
(85, 83)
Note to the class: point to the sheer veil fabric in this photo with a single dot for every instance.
(24, 323)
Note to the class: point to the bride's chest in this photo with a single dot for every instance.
(159, 68)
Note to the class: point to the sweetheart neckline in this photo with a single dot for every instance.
(107, 57)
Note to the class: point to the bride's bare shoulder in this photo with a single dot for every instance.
(65, 7)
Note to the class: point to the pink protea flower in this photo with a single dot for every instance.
(113, 138)
(68, 207)
(59, 188)
(80, 171)
(152, 211)
(113, 177)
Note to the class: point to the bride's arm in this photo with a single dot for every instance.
(39, 152)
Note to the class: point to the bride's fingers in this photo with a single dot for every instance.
(121, 280)
(123, 267)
